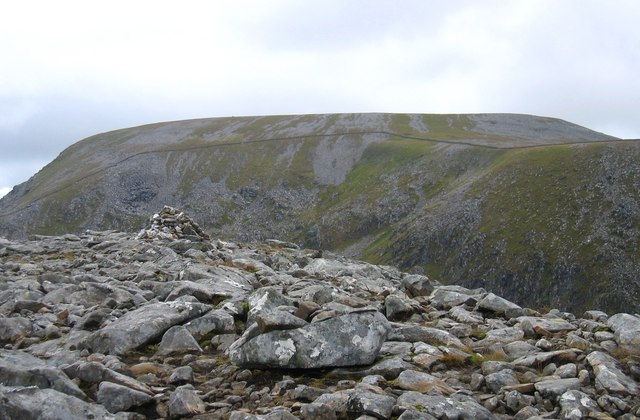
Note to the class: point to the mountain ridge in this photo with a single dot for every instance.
(418, 191)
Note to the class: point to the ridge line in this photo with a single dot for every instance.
(305, 136)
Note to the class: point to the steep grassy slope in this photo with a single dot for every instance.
(542, 211)
(555, 225)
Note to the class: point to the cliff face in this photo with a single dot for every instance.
(539, 210)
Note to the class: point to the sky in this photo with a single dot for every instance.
(71, 69)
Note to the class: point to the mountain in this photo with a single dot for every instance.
(539, 210)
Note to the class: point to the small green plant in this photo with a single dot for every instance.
(475, 359)
(478, 334)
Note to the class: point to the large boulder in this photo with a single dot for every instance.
(609, 377)
(626, 332)
(142, 326)
(348, 340)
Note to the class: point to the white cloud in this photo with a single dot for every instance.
(75, 68)
(4, 191)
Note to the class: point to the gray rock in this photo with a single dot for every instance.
(306, 309)
(613, 405)
(526, 413)
(609, 377)
(495, 381)
(336, 401)
(12, 329)
(534, 326)
(348, 340)
(539, 359)
(576, 405)
(575, 342)
(460, 314)
(447, 299)
(516, 401)
(415, 333)
(95, 373)
(214, 322)
(47, 404)
(184, 401)
(205, 291)
(519, 349)
(278, 320)
(554, 388)
(93, 320)
(398, 308)
(181, 374)
(499, 336)
(116, 398)
(626, 330)
(570, 370)
(493, 366)
(264, 300)
(413, 380)
(142, 326)
(388, 368)
(223, 341)
(458, 406)
(417, 285)
(316, 411)
(597, 316)
(21, 369)
(177, 340)
(369, 403)
(306, 393)
(499, 306)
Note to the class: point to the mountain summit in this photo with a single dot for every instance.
(539, 210)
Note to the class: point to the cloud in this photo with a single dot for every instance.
(77, 68)
(15, 113)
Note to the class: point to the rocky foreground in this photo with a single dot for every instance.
(171, 324)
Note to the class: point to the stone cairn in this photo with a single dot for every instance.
(105, 325)
(172, 223)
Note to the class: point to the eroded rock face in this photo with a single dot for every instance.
(107, 325)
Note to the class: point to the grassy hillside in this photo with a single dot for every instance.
(537, 209)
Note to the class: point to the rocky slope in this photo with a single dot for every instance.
(171, 324)
(538, 210)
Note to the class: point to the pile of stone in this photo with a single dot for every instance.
(172, 223)
(108, 325)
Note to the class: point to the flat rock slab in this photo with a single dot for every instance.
(554, 388)
(609, 377)
(143, 325)
(348, 340)
(415, 333)
(540, 359)
(532, 325)
(498, 305)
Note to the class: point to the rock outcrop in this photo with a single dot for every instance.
(111, 325)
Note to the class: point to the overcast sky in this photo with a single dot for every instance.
(70, 69)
